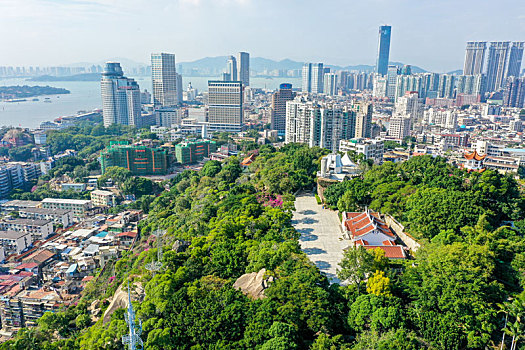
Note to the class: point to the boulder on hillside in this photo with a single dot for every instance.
(253, 284)
(180, 246)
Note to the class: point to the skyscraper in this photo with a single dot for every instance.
(232, 68)
(514, 92)
(317, 81)
(515, 57)
(392, 73)
(497, 64)
(307, 78)
(164, 79)
(243, 67)
(279, 99)
(120, 96)
(474, 57)
(313, 78)
(330, 84)
(225, 105)
(383, 50)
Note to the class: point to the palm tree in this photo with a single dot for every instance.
(516, 311)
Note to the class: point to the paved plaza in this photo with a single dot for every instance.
(321, 237)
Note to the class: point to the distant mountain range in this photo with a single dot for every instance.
(214, 66)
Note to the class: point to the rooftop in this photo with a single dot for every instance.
(13, 234)
(65, 200)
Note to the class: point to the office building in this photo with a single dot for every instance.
(514, 92)
(317, 83)
(497, 64)
(168, 116)
(279, 99)
(231, 69)
(392, 73)
(399, 127)
(474, 57)
(179, 87)
(330, 84)
(383, 49)
(164, 80)
(140, 160)
(313, 78)
(120, 97)
(195, 151)
(515, 58)
(225, 105)
(243, 68)
(307, 78)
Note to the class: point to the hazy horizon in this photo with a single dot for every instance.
(425, 34)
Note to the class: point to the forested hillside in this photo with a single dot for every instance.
(455, 294)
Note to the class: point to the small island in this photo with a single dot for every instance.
(10, 93)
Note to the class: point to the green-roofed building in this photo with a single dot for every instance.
(194, 151)
(140, 160)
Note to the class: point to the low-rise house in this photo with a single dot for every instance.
(126, 238)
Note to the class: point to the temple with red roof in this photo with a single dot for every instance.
(368, 230)
(474, 161)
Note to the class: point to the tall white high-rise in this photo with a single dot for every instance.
(317, 80)
(225, 105)
(391, 75)
(231, 68)
(515, 58)
(399, 127)
(243, 67)
(330, 84)
(307, 78)
(325, 124)
(120, 97)
(410, 105)
(164, 79)
(497, 64)
(474, 57)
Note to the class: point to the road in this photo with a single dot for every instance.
(321, 238)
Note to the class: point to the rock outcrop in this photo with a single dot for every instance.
(253, 284)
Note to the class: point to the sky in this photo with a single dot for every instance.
(428, 33)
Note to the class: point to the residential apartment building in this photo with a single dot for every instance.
(370, 148)
(101, 198)
(39, 229)
(79, 207)
(59, 216)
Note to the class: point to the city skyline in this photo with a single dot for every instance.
(38, 23)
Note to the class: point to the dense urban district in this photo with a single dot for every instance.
(380, 210)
